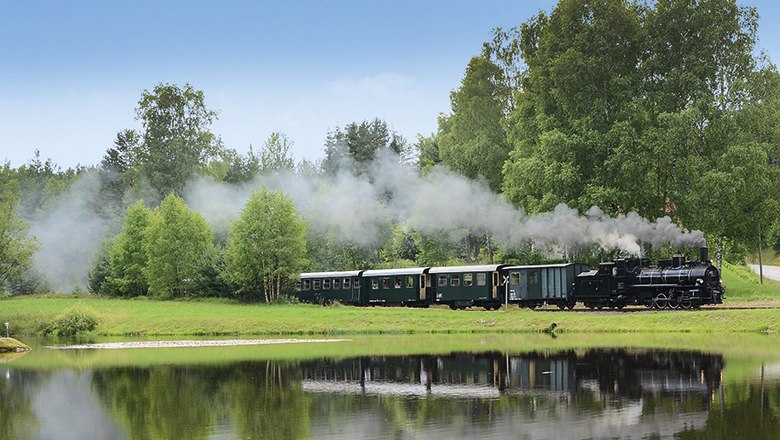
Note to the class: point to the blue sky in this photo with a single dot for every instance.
(71, 73)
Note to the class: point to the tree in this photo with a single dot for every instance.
(176, 140)
(358, 144)
(127, 256)
(267, 246)
(472, 139)
(275, 156)
(175, 241)
(16, 248)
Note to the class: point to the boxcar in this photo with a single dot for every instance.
(533, 286)
(406, 287)
(327, 287)
(466, 286)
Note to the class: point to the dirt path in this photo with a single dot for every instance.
(771, 272)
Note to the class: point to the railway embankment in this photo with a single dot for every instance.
(120, 317)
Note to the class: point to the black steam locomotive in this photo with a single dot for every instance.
(673, 283)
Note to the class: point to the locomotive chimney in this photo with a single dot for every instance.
(678, 260)
(703, 254)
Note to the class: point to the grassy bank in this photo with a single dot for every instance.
(28, 315)
(743, 285)
(116, 317)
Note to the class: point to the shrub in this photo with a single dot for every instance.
(72, 322)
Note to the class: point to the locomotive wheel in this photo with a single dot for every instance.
(570, 305)
(649, 303)
(661, 301)
(685, 303)
(561, 306)
(674, 302)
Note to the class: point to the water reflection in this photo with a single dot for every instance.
(605, 393)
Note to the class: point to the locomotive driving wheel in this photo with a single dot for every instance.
(661, 301)
(674, 301)
(685, 303)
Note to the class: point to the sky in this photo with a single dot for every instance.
(71, 73)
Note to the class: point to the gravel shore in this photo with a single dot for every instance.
(188, 343)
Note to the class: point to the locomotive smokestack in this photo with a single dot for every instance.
(703, 254)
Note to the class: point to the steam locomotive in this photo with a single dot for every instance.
(672, 283)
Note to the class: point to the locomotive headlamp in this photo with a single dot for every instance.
(699, 281)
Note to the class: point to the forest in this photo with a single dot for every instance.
(597, 129)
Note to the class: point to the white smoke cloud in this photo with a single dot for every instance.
(70, 233)
(354, 210)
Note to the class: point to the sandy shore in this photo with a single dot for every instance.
(188, 343)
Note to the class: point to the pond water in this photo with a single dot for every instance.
(565, 392)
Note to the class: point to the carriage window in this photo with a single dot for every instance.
(409, 282)
(442, 280)
(398, 281)
(468, 279)
(306, 284)
(514, 278)
(356, 283)
(316, 284)
(532, 277)
(346, 283)
(326, 284)
(455, 281)
(375, 283)
(481, 279)
(336, 283)
(386, 282)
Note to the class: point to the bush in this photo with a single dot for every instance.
(72, 322)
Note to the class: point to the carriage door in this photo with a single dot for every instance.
(495, 285)
(423, 285)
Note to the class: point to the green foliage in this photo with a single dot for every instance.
(275, 156)
(16, 248)
(358, 144)
(127, 256)
(97, 279)
(174, 243)
(176, 141)
(472, 140)
(267, 247)
(72, 322)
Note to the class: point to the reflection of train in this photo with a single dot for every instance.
(673, 283)
(620, 373)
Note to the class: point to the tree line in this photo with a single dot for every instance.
(660, 108)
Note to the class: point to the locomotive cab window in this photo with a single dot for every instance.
(514, 278)
(336, 283)
(374, 283)
(455, 280)
(316, 284)
(442, 280)
(326, 284)
(481, 279)
(306, 284)
(468, 279)
(346, 283)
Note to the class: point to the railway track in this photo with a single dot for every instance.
(638, 309)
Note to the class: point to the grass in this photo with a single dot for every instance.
(11, 344)
(122, 317)
(176, 318)
(743, 285)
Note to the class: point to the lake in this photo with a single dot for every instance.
(460, 387)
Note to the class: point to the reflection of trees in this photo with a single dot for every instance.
(159, 402)
(755, 416)
(264, 400)
(17, 418)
